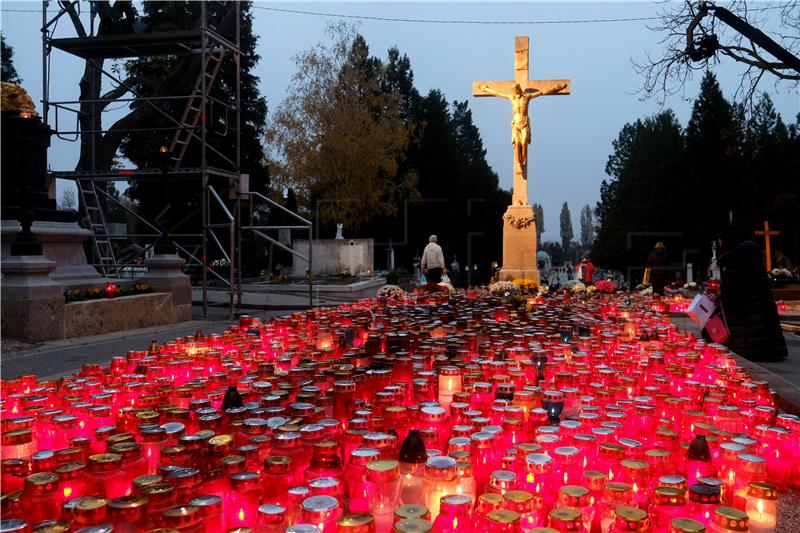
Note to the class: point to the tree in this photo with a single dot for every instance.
(587, 226)
(68, 199)
(176, 75)
(667, 73)
(338, 137)
(538, 213)
(646, 190)
(566, 227)
(8, 72)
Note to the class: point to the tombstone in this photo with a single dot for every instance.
(331, 257)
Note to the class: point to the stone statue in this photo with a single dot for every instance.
(520, 124)
(339, 228)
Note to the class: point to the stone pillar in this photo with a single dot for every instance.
(33, 304)
(165, 274)
(519, 244)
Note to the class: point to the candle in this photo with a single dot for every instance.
(761, 507)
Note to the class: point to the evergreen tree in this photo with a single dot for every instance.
(171, 75)
(8, 72)
(587, 226)
(538, 213)
(566, 227)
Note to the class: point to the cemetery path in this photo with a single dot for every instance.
(55, 359)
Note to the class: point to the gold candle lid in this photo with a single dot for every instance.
(357, 523)
(631, 519)
(765, 491)
(686, 525)
(413, 525)
(145, 480)
(413, 510)
(503, 516)
(730, 518)
(51, 526)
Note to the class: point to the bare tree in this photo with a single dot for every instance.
(667, 73)
(68, 199)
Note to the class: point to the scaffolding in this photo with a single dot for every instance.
(215, 182)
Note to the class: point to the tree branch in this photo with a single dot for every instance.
(73, 16)
(117, 92)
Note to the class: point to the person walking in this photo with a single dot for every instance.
(433, 261)
(455, 273)
(746, 301)
(585, 270)
(658, 264)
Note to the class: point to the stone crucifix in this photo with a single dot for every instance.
(520, 91)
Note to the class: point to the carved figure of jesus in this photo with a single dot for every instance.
(520, 123)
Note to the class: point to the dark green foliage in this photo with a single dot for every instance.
(681, 187)
(156, 76)
(396, 275)
(565, 220)
(8, 73)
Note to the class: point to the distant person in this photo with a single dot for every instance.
(455, 272)
(585, 270)
(746, 300)
(433, 261)
(658, 264)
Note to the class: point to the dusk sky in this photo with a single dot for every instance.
(572, 135)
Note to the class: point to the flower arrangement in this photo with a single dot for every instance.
(345, 273)
(219, 263)
(504, 288)
(576, 287)
(690, 286)
(448, 286)
(781, 273)
(606, 286)
(391, 292)
(109, 291)
(526, 285)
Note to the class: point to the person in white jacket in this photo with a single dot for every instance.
(433, 261)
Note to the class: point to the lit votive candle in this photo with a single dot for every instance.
(761, 507)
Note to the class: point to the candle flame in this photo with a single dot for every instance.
(241, 515)
(67, 492)
(760, 505)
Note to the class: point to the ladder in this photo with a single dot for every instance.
(194, 111)
(94, 220)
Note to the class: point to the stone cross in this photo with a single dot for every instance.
(520, 128)
(766, 233)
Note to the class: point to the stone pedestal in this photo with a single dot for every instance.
(33, 304)
(62, 242)
(519, 244)
(165, 274)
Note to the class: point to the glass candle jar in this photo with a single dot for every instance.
(71, 480)
(749, 468)
(184, 518)
(579, 498)
(242, 501)
(14, 472)
(411, 510)
(703, 499)
(761, 507)
(629, 519)
(615, 494)
(450, 382)
(160, 497)
(413, 525)
(412, 469)
(18, 444)
(455, 514)
(501, 481)
(323, 512)
(686, 525)
(728, 520)
(566, 520)
(41, 499)
(503, 521)
(441, 479)
(106, 476)
(383, 484)
(523, 502)
(210, 510)
(127, 514)
(275, 480)
(668, 503)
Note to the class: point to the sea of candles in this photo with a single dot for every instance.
(445, 412)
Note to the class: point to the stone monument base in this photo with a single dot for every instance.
(519, 244)
(62, 242)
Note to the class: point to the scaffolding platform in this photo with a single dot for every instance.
(139, 44)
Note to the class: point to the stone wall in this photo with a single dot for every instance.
(330, 257)
(94, 317)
